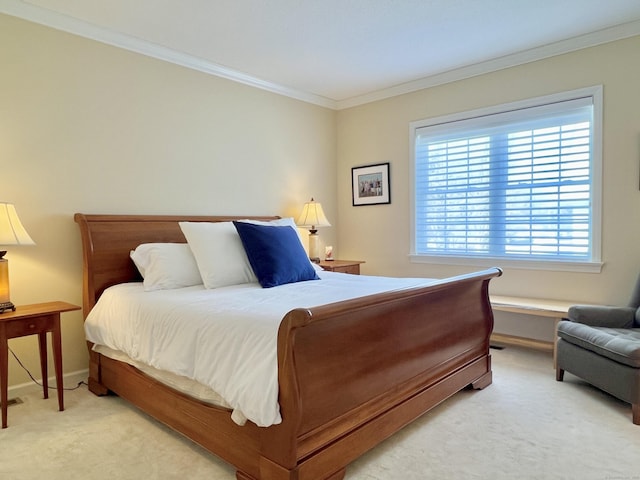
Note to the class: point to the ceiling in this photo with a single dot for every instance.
(339, 53)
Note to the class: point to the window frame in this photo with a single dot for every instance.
(592, 266)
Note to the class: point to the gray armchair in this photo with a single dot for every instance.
(602, 346)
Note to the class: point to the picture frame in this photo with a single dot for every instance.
(370, 185)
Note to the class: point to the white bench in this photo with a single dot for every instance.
(555, 309)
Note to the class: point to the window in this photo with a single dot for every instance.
(519, 183)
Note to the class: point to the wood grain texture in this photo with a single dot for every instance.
(37, 319)
(350, 373)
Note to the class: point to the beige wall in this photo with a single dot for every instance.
(86, 127)
(379, 132)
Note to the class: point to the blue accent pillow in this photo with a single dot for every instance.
(275, 254)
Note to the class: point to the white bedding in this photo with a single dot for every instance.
(223, 338)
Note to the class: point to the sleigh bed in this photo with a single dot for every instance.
(349, 373)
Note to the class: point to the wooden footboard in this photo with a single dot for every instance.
(354, 372)
(350, 373)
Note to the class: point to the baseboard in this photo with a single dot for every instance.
(69, 380)
(503, 339)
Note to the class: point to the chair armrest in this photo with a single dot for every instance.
(602, 316)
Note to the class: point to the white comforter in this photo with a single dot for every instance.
(224, 338)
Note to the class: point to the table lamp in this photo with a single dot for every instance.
(11, 233)
(312, 217)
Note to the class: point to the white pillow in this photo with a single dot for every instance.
(219, 253)
(165, 266)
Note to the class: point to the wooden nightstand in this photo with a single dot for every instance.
(342, 266)
(30, 320)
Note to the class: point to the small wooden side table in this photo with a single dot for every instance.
(34, 319)
(342, 266)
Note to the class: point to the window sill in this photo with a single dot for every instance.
(557, 266)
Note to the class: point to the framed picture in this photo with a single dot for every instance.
(370, 184)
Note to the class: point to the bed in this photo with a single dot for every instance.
(336, 399)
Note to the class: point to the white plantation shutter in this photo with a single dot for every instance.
(515, 184)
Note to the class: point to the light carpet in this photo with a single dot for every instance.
(524, 426)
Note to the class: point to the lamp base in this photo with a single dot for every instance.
(314, 256)
(4, 306)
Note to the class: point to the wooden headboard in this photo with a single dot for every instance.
(108, 239)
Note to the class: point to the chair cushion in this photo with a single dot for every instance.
(619, 344)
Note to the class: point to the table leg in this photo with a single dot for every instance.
(4, 377)
(42, 342)
(56, 340)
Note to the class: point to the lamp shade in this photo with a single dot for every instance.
(11, 230)
(312, 216)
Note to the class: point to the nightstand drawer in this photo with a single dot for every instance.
(342, 266)
(353, 269)
(29, 326)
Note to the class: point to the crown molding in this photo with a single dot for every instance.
(599, 37)
(49, 18)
